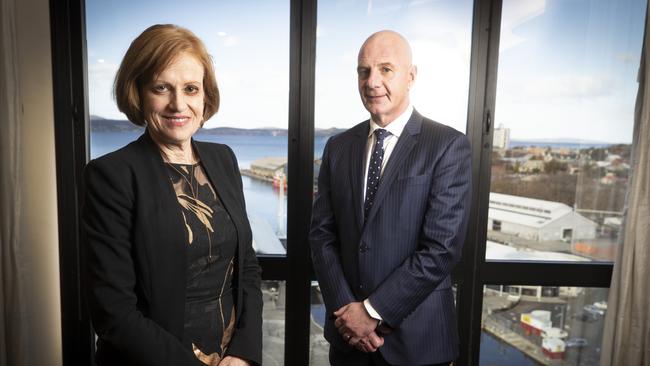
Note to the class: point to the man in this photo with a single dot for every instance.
(389, 221)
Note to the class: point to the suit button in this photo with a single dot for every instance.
(361, 286)
(363, 248)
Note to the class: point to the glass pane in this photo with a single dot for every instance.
(440, 36)
(564, 110)
(252, 118)
(319, 347)
(542, 325)
(274, 295)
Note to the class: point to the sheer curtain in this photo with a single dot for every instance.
(626, 339)
(12, 315)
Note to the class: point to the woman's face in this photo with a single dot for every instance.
(173, 102)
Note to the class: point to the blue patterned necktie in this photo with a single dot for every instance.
(374, 169)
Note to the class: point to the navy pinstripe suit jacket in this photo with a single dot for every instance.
(402, 257)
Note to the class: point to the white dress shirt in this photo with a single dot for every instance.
(395, 128)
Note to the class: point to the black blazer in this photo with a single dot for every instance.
(402, 256)
(135, 249)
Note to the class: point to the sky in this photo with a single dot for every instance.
(567, 69)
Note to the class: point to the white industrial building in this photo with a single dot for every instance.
(537, 220)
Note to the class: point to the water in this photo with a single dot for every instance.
(497, 353)
(559, 145)
(246, 148)
(262, 200)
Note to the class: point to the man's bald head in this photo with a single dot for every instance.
(389, 39)
(385, 75)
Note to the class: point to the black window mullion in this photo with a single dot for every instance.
(547, 274)
(274, 267)
(300, 178)
(67, 26)
(482, 90)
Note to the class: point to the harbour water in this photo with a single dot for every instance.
(262, 200)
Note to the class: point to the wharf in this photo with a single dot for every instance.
(249, 173)
(492, 324)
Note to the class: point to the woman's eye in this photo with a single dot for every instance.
(160, 88)
(191, 89)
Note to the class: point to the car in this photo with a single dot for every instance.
(594, 309)
(576, 342)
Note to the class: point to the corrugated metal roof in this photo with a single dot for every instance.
(518, 218)
(532, 211)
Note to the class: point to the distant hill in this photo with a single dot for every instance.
(99, 124)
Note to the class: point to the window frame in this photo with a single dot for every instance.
(69, 68)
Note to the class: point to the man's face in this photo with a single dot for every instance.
(385, 75)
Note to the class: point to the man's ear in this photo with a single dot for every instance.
(413, 73)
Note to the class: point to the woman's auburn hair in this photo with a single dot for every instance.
(148, 55)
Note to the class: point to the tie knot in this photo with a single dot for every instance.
(381, 134)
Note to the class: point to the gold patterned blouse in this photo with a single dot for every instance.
(211, 246)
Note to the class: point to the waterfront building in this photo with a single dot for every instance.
(537, 220)
(268, 167)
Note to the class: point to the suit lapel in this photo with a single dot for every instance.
(168, 212)
(357, 165)
(406, 142)
(218, 176)
(214, 168)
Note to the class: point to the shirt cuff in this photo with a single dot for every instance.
(371, 311)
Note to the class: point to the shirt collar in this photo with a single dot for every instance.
(397, 126)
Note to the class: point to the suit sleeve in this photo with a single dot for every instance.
(107, 221)
(441, 238)
(246, 341)
(325, 245)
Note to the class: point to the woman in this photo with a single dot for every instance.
(172, 275)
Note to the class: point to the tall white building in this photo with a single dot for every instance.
(501, 138)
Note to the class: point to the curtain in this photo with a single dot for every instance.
(626, 338)
(12, 315)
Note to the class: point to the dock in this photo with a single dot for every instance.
(504, 333)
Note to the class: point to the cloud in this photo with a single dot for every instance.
(516, 13)
(230, 41)
(560, 87)
(379, 7)
(100, 89)
(419, 2)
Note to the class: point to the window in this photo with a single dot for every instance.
(558, 161)
(252, 118)
(564, 109)
(440, 37)
(254, 90)
(531, 325)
